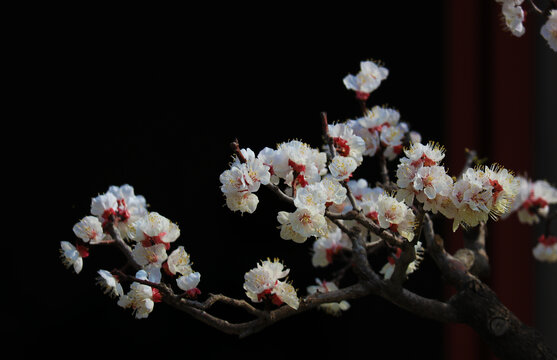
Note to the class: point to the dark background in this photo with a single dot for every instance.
(153, 101)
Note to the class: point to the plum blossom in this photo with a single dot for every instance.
(549, 30)
(119, 206)
(335, 193)
(482, 193)
(513, 15)
(243, 202)
(286, 230)
(153, 229)
(370, 138)
(245, 176)
(333, 308)
(189, 283)
(141, 298)
(311, 197)
(104, 206)
(420, 175)
(130, 207)
(395, 215)
(427, 155)
(89, 230)
(533, 200)
(72, 256)
(342, 167)
(367, 80)
(392, 139)
(346, 143)
(178, 262)
(325, 247)
(298, 164)
(263, 282)
(153, 255)
(110, 284)
(546, 249)
(301, 224)
(242, 180)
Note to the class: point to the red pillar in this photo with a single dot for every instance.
(511, 79)
(463, 126)
(489, 108)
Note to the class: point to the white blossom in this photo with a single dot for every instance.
(312, 197)
(482, 193)
(110, 284)
(513, 15)
(245, 176)
(178, 262)
(395, 215)
(141, 298)
(370, 138)
(368, 79)
(263, 282)
(150, 255)
(333, 308)
(342, 167)
(549, 30)
(71, 256)
(298, 163)
(104, 205)
(286, 230)
(243, 202)
(392, 138)
(89, 230)
(189, 281)
(335, 193)
(308, 223)
(427, 155)
(432, 181)
(154, 228)
(533, 200)
(346, 143)
(325, 247)
(546, 249)
(267, 156)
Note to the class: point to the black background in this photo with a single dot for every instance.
(153, 100)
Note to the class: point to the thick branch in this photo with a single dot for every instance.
(263, 319)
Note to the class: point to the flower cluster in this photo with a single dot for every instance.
(150, 234)
(380, 127)
(333, 308)
(420, 176)
(480, 193)
(263, 283)
(119, 206)
(141, 298)
(513, 15)
(311, 202)
(243, 179)
(533, 200)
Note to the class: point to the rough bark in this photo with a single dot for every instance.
(478, 306)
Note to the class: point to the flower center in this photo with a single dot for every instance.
(341, 146)
(305, 219)
(497, 189)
